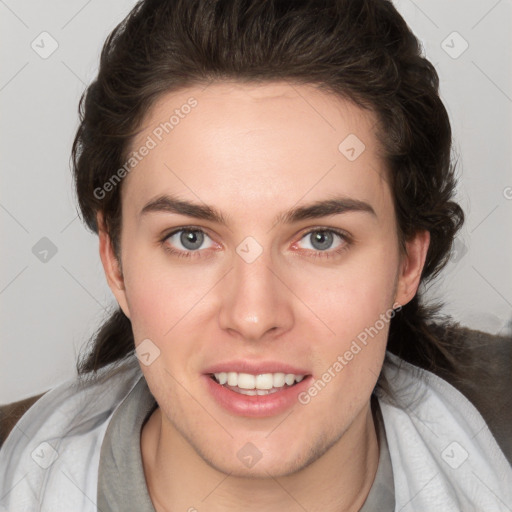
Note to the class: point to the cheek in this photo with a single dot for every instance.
(356, 304)
(354, 295)
(160, 292)
(153, 296)
(358, 310)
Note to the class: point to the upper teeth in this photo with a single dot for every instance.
(261, 381)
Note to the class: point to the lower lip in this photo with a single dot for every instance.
(257, 406)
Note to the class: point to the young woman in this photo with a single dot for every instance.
(271, 182)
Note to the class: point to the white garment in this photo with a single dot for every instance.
(444, 456)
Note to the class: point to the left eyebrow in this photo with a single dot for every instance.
(315, 210)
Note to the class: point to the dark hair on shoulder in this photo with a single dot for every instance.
(361, 50)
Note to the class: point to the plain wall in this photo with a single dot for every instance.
(49, 309)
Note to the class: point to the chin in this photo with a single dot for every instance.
(264, 459)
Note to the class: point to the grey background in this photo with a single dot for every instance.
(49, 309)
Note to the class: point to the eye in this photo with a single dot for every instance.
(190, 240)
(321, 240)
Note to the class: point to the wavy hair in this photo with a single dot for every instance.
(361, 50)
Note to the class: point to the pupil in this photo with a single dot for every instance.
(191, 239)
(323, 238)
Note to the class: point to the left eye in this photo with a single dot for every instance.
(322, 239)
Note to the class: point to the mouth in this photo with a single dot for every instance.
(257, 385)
(255, 389)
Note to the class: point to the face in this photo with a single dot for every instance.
(286, 261)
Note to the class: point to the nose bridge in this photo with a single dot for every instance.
(255, 300)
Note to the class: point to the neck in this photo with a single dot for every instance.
(338, 481)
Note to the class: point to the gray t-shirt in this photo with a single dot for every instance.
(121, 481)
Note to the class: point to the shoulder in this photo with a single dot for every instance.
(11, 413)
(65, 395)
(438, 438)
(450, 430)
(483, 376)
(63, 428)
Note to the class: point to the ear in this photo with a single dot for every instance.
(111, 266)
(411, 267)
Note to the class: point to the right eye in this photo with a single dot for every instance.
(190, 240)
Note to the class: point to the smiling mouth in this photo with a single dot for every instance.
(256, 385)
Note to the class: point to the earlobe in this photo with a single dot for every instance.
(412, 267)
(111, 266)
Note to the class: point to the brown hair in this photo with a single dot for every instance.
(361, 50)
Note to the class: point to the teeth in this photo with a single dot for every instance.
(232, 378)
(278, 380)
(289, 379)
(246, 381)
(261, 382)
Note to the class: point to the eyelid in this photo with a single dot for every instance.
(341, 232)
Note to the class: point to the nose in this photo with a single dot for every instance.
(256, 303)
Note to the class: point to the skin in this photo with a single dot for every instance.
(253, 151)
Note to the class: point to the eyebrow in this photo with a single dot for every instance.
(317, 209)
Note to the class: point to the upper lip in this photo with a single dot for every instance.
(255, 367)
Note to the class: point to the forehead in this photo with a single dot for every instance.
(244, 143)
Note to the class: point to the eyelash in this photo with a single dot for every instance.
(316, 254)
